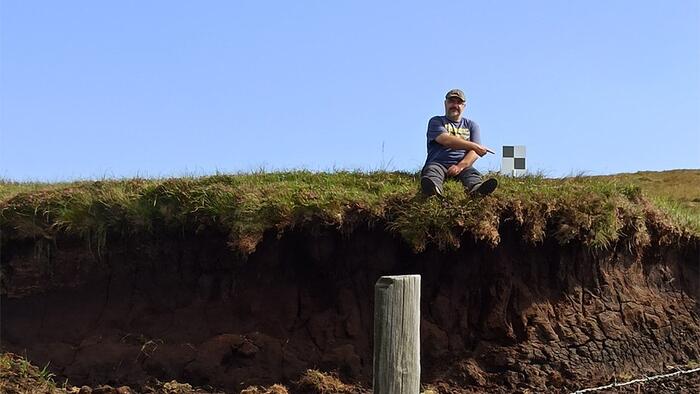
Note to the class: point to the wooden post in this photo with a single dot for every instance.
(397, 335)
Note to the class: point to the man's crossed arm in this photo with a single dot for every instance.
(474, 151)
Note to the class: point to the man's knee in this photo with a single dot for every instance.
(470, 177)
(470, 171)
(434, 170)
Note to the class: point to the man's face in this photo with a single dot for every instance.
(454, 107)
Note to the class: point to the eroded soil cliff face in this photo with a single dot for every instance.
(517, 316)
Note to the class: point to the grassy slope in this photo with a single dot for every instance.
(18, 375)
(595, 210)
(676, 191)
(681, 186)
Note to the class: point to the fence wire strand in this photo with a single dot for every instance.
(641, 380)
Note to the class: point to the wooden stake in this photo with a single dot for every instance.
(397, 335)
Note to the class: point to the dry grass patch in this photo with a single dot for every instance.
(317, 382)
(274, 389)
(19, 376)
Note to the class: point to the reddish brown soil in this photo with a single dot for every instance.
(515, 318)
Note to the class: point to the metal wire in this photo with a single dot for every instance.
(641, 380)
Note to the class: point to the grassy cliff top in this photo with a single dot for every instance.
(597, 211)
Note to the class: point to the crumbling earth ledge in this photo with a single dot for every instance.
(516, 316)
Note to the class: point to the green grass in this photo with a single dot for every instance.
(17, 375)
(597, 211)
(9, 188)
(680, 186)
(675, 192)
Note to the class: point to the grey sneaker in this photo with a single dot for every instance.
(484, 188)
(429, 188)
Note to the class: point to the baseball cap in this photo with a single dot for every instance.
(455, 93)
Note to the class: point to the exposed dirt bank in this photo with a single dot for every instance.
(515, 317)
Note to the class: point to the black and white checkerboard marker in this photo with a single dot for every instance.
(513, 162)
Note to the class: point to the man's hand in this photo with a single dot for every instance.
(480, 150)
(456, 169)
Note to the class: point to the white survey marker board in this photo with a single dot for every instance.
(513, 161)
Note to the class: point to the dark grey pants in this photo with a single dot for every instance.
(437, 173)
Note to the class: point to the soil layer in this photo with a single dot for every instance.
(514, 317)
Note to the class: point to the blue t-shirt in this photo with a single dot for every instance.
(437, 125)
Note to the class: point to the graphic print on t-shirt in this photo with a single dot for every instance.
(461, 132)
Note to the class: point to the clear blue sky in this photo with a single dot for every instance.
(92, 89)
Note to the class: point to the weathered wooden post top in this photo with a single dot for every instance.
(397, 335)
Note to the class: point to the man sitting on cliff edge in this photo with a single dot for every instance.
(453, 147)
